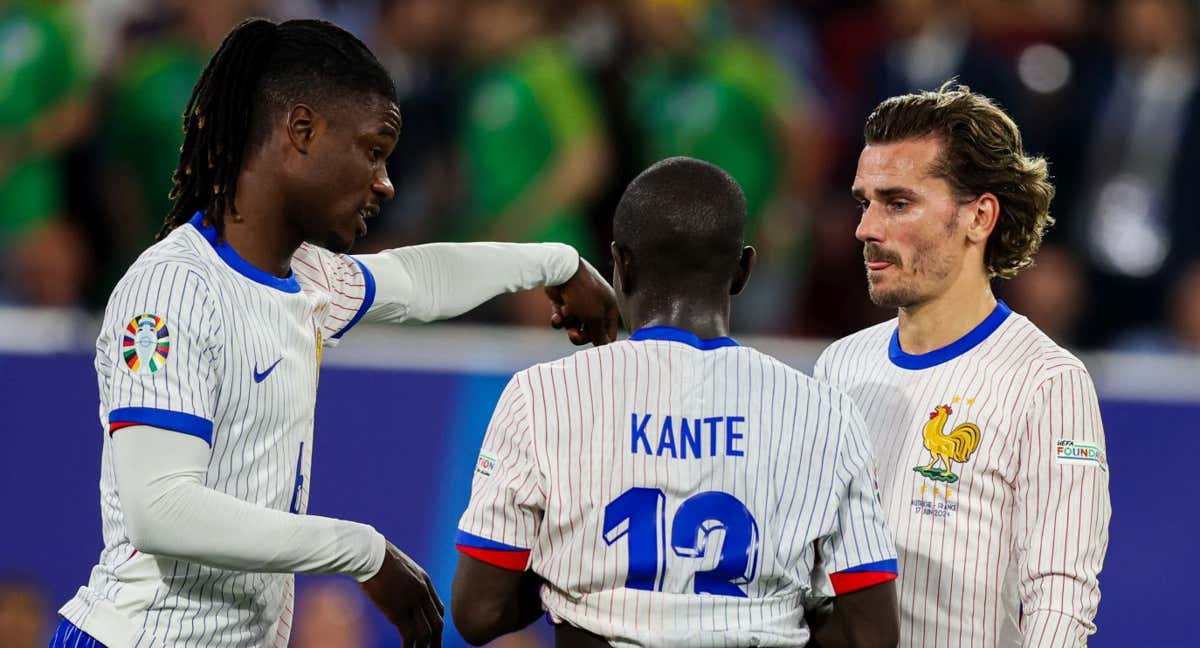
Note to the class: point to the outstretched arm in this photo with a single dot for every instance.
(441, 280)
(423, 283)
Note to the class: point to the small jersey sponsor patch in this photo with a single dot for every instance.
(486, 464)
(1069, 451)
(146, 344)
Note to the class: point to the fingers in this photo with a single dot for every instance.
(427, 613)
(614, 323)
(424, 627)
(441, 609)
(435, 639)
(419, 630)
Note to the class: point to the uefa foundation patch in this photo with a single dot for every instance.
(1069, 451)
(146, 344)
(486, 464)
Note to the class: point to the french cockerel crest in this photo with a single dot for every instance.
(947, 448)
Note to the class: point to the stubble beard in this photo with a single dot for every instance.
(929, 269)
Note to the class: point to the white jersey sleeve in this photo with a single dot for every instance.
(859, 552)
(169, 512)
(436, 281)
(423, 283)
(501, 523)
(1063, 511)
(163, 329)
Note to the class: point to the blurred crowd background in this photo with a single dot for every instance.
(524, 119)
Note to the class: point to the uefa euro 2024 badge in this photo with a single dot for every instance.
(146, 344)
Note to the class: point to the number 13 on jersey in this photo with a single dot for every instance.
(639, 514)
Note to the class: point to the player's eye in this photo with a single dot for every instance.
(899, 205)
(376, 154)
(863, 205)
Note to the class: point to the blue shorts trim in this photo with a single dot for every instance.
(69, 636)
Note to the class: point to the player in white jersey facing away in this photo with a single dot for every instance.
(675, 488)
(990, 447)
(208, 357)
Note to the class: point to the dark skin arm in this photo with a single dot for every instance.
(867, 618)
(405, 595)
(488, 601)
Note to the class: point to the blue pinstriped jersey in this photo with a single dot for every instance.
(674, 491)
(196, 340)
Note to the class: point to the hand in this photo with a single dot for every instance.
(586, 306)
(403, 591)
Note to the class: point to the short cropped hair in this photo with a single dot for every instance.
(682, 214)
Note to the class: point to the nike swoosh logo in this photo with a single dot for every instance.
(259, 377)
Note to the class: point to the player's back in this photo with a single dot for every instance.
(682, 484)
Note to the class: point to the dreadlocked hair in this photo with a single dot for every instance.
(260, 69)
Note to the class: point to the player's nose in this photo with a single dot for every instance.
(382, 187)
(870, 226)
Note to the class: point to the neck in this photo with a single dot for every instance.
(261, 234)
(700, 317)
(936, 323)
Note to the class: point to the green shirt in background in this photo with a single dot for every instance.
(722, 106)
(145, 123)
(521, 112)
(39, 67)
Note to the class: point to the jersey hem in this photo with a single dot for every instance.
(99, 618)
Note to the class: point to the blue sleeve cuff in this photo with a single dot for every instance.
(881, 566)
(165, 419)
(472, 540)
(494, 553)
(367, 302)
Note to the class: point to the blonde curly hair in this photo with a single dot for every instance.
(981, 153)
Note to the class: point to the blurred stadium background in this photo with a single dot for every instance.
(523, 120)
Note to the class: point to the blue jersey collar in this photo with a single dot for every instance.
(672, 334)
(239, 265)
(952, 350)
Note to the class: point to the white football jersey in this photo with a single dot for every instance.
(198, 341)
(674, 491)
(992, 469)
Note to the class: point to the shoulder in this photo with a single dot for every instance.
(319, 269)
(1034, 353)
(312, 266)
(585, 361)
(172, 284)
(178, 256)
(872, 341)
(823, 398)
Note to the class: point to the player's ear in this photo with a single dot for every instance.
(745, 267)
(985, 212)
(301, 127)
(622, 269)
